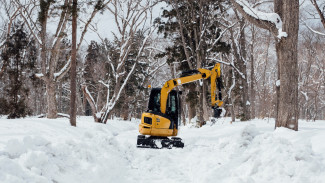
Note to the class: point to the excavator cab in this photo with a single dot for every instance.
(173, 106)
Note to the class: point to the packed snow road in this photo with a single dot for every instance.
(44, 150)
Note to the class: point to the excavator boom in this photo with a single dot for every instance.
(214, 74)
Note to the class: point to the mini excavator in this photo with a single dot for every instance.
(163, 115)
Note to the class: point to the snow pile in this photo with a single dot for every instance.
(268, 157)
(93, 156)
(43, 150)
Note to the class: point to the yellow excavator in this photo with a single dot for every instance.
(163, 115)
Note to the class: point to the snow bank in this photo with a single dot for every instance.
(89, 156)
(43, 150)
(267, 157)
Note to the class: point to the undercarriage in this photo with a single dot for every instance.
(159, 142)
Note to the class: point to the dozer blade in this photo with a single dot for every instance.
(159, 142)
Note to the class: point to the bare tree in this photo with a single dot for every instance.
(284, 25)
(130, 17)
(37, 15)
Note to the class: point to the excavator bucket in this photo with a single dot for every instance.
(159, 142)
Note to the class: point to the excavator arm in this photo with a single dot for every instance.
(213, 74)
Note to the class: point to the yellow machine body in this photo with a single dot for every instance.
(163, 115)
(159, 126)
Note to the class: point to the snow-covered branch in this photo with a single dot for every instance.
(269, 21)
(314, 31)
(59, 75)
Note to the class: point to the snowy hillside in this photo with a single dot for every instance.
(44, 150)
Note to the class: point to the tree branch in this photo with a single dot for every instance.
(91, 102)
(268, 21)
(59, 75)
(320, 13)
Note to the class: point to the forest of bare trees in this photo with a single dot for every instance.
(272, 55)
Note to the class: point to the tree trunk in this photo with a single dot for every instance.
(91, 103)
(79, 102)
(200, 119)
(190, 112)
(232, 111)
(206, 105)
(84, 104)
(253, 92)
(265, 101)
(286, 48)
(60, 108)
(125, 113)
(239, 52)
(242, 66)
(183, 104)
(51, 100)
(73, 106)
(100, 99)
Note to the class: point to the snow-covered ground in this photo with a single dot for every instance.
(44, 150)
